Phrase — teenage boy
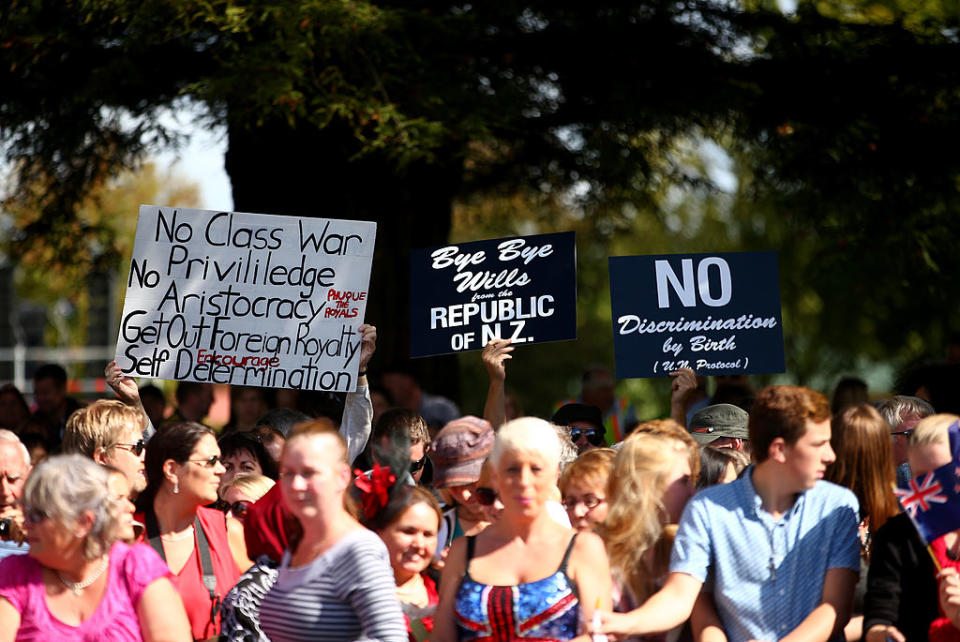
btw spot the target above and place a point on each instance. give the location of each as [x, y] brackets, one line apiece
[777, 549]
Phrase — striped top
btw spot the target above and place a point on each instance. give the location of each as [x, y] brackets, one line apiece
[347, 593]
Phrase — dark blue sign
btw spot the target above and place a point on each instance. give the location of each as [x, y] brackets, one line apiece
[521, 288]
[715, 313]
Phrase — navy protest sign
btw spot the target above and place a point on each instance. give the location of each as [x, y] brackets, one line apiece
[520, 288]
[715, 313]
[246, 299]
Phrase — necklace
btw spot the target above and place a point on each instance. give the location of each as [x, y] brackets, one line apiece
[77, 587]
[176, 538]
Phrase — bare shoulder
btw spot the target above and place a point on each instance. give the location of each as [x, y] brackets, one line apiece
[589, 544]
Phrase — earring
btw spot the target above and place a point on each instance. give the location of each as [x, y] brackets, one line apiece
[176, 487]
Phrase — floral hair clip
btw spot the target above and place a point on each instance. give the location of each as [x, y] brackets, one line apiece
[374, 487]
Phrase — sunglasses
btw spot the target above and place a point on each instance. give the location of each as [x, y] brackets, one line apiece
[209, 462]
[136, 448]
[593, 435]
[906, 433]
[485, 496]
[238, 508]
[416, 466]
[590, 501]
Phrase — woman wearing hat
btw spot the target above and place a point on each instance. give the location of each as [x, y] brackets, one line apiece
[457, 453]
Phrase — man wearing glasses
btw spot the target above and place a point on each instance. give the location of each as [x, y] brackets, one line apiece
[585, 424]
[110, 433]
[903, 412]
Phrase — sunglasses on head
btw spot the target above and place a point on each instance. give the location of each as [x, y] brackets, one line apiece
[485, 496]
[136, 448]
[593, 435]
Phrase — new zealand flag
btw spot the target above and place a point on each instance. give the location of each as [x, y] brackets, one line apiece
[933, 500]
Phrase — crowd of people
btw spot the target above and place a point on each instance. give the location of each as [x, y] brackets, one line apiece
[387, 514]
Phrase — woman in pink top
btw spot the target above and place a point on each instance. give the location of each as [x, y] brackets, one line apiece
[78, 582]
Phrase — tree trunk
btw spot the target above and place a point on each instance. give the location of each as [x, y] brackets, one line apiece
[276, 169]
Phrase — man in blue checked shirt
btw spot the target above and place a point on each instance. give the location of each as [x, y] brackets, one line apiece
[777, 549]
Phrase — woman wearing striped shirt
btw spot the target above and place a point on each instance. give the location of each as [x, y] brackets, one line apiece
[336, 583]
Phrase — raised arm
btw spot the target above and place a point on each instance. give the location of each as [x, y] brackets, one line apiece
[684, 382]
[494, 357]
[357, 407]
[127, 391]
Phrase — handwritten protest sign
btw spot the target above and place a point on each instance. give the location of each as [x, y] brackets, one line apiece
[247, 299]
[715, 313]
[520, 288]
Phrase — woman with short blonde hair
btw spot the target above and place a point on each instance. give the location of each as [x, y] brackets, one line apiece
[525, 567]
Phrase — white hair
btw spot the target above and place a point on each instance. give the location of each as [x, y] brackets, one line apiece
[9, 436]
[527, 434]
[64, 487]
[898, 409]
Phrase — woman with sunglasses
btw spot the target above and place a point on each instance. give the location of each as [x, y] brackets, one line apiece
[110, 433]
[78, 581]
[238, 494]
[526, 575]
[183, 474]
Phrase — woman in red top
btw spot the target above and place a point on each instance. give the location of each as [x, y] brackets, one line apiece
[183, 472]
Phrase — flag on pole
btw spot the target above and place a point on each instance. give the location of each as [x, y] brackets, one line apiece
[933, 500]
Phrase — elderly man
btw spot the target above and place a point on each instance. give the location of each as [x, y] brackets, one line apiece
[903, 413]
[14, 468]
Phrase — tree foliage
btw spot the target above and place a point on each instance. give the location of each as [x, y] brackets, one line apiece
[838, 117]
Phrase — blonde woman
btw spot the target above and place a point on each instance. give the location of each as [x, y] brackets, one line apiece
[651, 481]
[525, 575]
[241, 492]
[110, 433]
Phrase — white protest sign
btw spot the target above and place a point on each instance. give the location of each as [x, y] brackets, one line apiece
[246, 299]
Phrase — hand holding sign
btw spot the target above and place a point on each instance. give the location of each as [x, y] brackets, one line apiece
[246, 299]
[463, 296]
